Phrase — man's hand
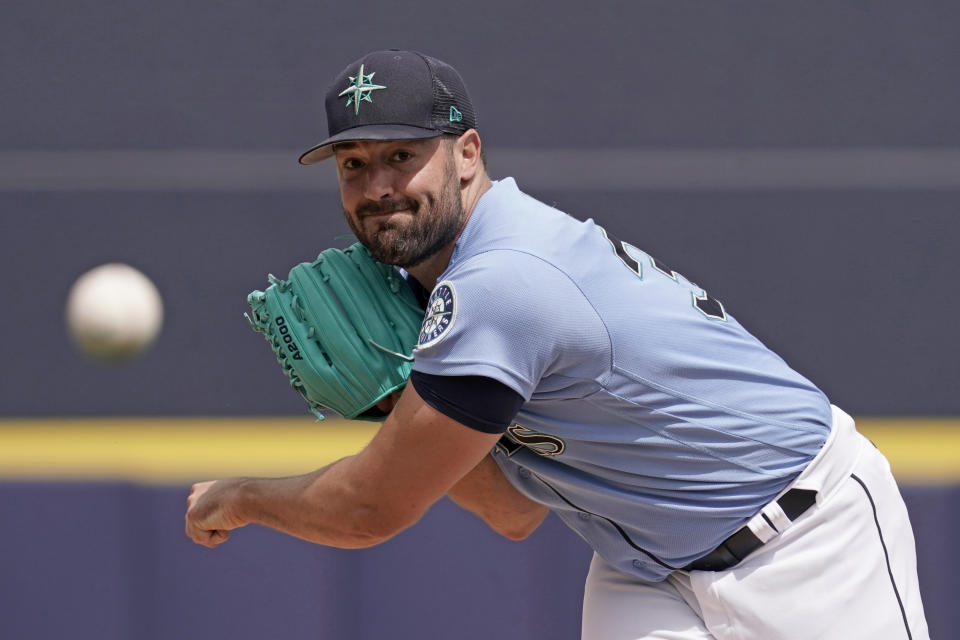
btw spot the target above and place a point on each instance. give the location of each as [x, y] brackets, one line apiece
[212, 512]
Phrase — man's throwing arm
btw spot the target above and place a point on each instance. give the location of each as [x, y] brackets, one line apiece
[417, 456]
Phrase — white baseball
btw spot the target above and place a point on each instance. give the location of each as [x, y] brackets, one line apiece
[114, 312]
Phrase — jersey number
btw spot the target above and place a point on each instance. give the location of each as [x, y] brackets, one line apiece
[632, 257]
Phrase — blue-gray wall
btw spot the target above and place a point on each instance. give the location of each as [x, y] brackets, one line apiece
[147, 133]
[110, 561]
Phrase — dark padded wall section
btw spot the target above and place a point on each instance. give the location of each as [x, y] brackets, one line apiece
[652, 73]
[111, 560]
[854, 289]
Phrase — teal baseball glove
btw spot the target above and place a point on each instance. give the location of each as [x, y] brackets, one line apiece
[343, 328]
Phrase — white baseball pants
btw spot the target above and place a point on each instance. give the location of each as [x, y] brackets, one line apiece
[845, 569]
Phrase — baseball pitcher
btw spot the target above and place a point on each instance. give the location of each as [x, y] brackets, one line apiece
[524, 361]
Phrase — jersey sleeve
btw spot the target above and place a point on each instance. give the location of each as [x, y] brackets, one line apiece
[509, 316]
[483, 404]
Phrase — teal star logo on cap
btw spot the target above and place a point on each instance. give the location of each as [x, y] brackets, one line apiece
[361, 85]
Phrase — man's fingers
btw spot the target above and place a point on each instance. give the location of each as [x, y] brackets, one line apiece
[198, 490]
[204, 513]
[194, 526]
[218, 536]
[206, 537]
[213, 539]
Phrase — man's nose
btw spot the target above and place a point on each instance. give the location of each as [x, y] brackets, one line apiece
[378, 183]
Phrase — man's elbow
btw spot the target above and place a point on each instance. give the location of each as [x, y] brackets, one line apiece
[516, 533]
[518, 529]
[377, 525]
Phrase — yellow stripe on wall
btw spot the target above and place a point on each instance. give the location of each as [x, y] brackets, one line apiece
[174, 450]
[183, 450]
[920, 450]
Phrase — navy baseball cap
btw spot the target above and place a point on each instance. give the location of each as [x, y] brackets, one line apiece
[394, 95]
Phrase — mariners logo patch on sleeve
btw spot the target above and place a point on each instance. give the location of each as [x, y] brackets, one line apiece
[440, 316]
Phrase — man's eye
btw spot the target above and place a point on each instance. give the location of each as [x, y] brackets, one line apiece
[402, 156]
[352, 163]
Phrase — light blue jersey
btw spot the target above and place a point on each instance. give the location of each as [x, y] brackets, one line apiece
[654, 424]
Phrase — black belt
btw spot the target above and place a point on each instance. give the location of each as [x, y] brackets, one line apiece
[744, 542]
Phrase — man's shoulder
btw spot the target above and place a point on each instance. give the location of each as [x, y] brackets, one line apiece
[505, 206]
[508, 234]
[514, 266]
[518, 292]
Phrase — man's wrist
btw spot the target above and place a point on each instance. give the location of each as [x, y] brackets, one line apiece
[245, 496]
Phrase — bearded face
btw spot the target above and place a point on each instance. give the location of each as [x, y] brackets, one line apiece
[404, 231]
[413, 210]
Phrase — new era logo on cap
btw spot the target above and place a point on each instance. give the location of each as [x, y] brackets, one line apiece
[394, 95]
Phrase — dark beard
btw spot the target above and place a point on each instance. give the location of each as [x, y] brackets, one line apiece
[430, 231]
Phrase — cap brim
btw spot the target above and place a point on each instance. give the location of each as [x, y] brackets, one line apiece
[324, 150]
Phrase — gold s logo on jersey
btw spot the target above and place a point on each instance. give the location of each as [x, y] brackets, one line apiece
[542, 444]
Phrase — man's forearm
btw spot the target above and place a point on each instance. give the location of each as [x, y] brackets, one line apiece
[413, 460]
[320, 507]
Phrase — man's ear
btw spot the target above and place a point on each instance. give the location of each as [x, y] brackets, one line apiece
[467, 154]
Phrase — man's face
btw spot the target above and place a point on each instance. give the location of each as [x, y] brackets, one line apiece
[401, 198]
